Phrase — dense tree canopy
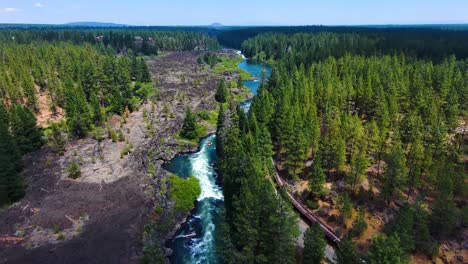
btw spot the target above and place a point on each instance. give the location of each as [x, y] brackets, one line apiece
[261, 227]
[336, 111]
[11, 184]
[79, 79]
[268, 43]
[146, 41]
[314, 244]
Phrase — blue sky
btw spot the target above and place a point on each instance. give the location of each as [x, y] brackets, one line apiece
[238, 12]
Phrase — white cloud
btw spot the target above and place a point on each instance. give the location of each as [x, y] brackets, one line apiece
[9, 10]
[39, 5]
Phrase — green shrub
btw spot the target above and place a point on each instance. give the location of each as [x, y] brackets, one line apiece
[60, 236]
[112, 134]
[332, 218]
[74, 170]
[345, 206]
[184, 192]
[121, 136]
[127, 150]
[205, 115]
[151, 169]
[151, 153]
[359, 225]
[98, 134]
[312, 204]
[209, 116]
[158, 210]
[232, 84]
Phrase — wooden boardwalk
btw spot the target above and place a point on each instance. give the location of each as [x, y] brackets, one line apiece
[304, 212]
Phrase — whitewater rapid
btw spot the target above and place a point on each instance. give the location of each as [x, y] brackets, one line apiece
[194, 243]
[204, 171]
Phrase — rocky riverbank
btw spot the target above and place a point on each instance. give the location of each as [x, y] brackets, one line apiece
[100, 217]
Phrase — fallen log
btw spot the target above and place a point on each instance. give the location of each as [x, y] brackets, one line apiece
[11, 239]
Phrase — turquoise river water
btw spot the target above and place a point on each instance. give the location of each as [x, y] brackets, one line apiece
[199, 247]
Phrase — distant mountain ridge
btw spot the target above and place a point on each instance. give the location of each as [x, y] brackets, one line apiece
[94, 24]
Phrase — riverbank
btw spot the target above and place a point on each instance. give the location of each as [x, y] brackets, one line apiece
[194, 241]
[182, 86]
[100, 217]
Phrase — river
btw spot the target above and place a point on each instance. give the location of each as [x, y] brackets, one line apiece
[200, 247]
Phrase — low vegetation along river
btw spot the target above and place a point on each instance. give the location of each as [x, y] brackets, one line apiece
[194, 241]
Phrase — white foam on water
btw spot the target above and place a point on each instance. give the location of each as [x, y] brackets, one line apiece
[202, 249]
[204, 245]
[240, 53]
[205, 173]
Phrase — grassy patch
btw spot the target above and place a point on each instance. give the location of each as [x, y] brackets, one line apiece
[229, 64]
[184, 192]
[126, 150]
[201, 132]
[240, 98]
[182, 140]
[209, 116]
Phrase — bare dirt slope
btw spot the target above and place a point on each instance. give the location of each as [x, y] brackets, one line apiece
[99, 217]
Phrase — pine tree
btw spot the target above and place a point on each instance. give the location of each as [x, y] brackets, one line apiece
[282, 229]
[372, 135]
[30, 93]
[422, 238]
[444, 210]
[98, 118]
[415, 163]
[314, 244]
[135, 69]
[360, 224]
[27, 135]
[189, 128]
[56, 139]
[296, 144]
[11, 184]
[395, 172]
[145, 74]
[403, 227]
[240, 82]
[359, 164]
[4, 118]
[347, 253]
[220, 129]
[88, 79]
[386, 250]
[345, 206]
[221, 92]
[123, 90]
[77, 111]
[224, 246]
[317, 177]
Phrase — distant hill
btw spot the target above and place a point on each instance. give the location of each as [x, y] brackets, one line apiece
[94, 24]
[216, 25]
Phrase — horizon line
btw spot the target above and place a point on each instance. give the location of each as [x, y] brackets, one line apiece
[234, 25]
